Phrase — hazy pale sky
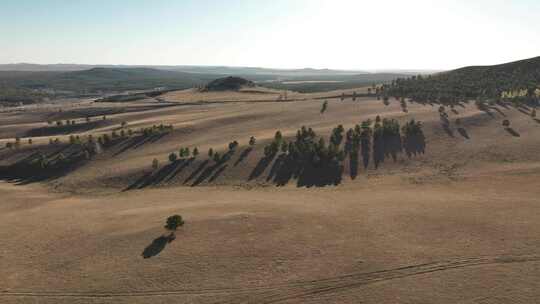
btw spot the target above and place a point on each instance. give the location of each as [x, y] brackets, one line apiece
[338, 34]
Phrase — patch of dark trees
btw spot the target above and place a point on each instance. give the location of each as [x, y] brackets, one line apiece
[65, 128]
[311, 162]
[53, 163]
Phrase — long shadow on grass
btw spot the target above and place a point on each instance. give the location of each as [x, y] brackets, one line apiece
[243, 156]
[199, 169]
[512, 132]
[165, 174]
[260, 167]
[307, 174]
[463, 133]
[138, 141]
[157, 246]
[39, 167]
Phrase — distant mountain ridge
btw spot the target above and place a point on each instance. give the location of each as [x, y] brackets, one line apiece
[30, 67]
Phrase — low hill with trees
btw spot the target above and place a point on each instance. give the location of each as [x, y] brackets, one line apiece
[230, 83]
[520, 79]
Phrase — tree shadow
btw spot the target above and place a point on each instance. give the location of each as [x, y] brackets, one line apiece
[463, 133]
[40, 167]
[206, 173]
[64, 129]
[498, 111]
[353, 164]
[320, 176]
[365, 143]
[138, 141]
[211, 173]
[512, 132]
[243, 156]
[276, 166]
[157, 246]
[138, 184]
[165, 174]
[414, 145]
[524, 111]
[217, 173]
[378, 151]
[288, 168]
[197, 171]
[445, 123]
[386, 146]
[183, 164]
[261, 166]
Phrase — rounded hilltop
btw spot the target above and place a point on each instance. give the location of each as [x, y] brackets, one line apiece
[230, 83]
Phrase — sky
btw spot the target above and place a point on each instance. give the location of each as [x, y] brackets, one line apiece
[336, 34]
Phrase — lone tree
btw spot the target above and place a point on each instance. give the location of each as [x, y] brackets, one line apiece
[506, 123]
[155, 164]
[173, 222]
[252, 141]
[173, 157]
[278, 137]
[195, 152]
[324, 106]
[210, 152]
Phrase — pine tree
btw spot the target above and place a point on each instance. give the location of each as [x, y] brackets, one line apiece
[173, 157]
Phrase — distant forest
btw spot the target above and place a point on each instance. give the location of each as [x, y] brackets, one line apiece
[517, 81]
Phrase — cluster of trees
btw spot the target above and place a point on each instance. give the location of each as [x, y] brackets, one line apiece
[71, 122]
[183, 153]
[60, 123]
[156, 129]
[306, 148]
[16, 144]
[215, 156]
[374, 140]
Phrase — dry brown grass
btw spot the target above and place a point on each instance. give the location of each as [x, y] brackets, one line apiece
[459, 224]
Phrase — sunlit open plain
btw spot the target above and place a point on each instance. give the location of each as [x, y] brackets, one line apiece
[457, 224]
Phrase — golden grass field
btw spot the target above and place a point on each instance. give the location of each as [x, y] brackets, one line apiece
[458, 224]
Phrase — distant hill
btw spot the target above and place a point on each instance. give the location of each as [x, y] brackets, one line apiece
[32, 86]
[473, 81]
[217, 70]
[34, 83]
[228, 84]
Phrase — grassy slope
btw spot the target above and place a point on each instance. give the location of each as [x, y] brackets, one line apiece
[458, 223]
